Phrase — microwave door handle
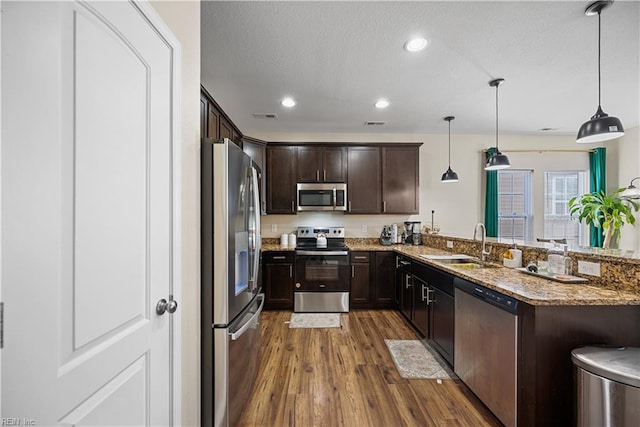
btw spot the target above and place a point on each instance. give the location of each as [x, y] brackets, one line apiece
[334, 198]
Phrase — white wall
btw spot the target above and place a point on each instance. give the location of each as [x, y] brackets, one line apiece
[627, 168]
[458, 206]
[183, 18]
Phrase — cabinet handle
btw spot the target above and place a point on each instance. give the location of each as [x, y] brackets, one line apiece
[322, 286]
[407, 284]
[317, 175]
[349, 205]
[324, 175]
[424, 297]
[291, 271]
[429, 300]
[292, 207]
[384, 206]
[360, 257]
[353, 271]
[279, 257]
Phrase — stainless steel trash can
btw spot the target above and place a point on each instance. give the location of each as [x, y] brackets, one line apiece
[607, 386]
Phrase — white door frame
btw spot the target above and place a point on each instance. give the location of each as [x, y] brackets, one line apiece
[0, 193]
[176, 180]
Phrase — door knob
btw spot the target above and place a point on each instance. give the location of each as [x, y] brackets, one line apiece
[171, 306]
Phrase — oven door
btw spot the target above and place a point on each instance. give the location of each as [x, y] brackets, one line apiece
[322, 271]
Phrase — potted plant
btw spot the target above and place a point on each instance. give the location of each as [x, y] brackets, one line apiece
[608, 212]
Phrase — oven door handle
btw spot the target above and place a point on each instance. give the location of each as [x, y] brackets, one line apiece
[326, 253]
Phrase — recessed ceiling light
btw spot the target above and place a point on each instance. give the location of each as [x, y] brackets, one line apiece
[414, 45]
[288, 102]
[382, 103]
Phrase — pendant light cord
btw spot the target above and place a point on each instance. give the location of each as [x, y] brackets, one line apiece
[449, 144]
[599, 76]
[497, 149]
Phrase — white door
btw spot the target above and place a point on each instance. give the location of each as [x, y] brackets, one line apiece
[89, 207]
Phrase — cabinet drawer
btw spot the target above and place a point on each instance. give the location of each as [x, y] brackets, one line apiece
[321, 287]
[360, 257]
[278, 257]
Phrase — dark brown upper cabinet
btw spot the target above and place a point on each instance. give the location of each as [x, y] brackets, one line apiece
[281, 179]
[400, 180]
[321, 164]
[214, 123]
[257, 150]
[364, 183]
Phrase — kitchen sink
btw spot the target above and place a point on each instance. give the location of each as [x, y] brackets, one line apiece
[459, 261]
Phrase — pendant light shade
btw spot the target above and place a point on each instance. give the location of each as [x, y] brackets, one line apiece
[449, 175]
[631, 192]
[601, 126]
[498, 160]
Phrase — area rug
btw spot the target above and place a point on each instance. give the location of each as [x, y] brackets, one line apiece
[415, 359]
[315, 320]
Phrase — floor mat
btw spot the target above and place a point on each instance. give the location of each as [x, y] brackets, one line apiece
[415, 359]
[315, 320]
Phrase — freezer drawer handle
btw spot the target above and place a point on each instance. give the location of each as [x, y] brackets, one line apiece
[237, 334]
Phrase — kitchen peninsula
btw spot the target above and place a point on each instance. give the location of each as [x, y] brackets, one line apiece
[552, 318]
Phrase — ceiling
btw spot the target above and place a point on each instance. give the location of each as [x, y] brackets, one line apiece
[337, 58]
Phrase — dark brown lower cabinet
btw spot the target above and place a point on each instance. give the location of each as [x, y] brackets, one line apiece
[372, 279]
[385, 279]
[361, 280]
[420, 312]
[278, 270]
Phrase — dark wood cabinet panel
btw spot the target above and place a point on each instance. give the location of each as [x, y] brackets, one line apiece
[334, 164]
[203, 117]
[361, 281]
[385, 271]
[364, 180]
[257, 150]
[309, 162]
[400, 180]
[321, 164]
[281, 179]
[278, 280]
[442, 323]
[420, 318]
[226, 130]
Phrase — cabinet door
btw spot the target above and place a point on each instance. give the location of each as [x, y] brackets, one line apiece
[363, 183]
[226, 130]
[360, 295]
[400, 180]
[213, 118]
[278, 286]
[406, 302]
[420, 306]
[385, 279]
[281, 180]
[442, 323]
[309, 163]
[334, 164]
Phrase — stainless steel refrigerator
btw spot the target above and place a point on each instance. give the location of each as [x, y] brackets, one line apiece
[230, 290]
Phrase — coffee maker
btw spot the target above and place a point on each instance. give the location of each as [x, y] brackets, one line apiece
[413, 233]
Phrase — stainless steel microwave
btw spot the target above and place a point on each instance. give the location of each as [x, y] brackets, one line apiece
[322, 197]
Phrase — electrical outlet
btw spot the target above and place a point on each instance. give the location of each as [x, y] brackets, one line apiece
[449, 244]
[364, 228]
[274, 228]
[589, 268]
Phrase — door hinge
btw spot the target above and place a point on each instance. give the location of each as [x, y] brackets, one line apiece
[1, 325]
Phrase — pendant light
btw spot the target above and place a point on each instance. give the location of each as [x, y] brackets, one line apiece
[601, 127]
[449, 175]
[498, 160]
[631, 192]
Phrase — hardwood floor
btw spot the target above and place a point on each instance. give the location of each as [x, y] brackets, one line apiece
[346, 377]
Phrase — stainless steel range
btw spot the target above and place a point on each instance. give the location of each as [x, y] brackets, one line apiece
[323, 278]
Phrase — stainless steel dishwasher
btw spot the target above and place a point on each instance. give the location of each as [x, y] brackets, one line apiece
[486, 347]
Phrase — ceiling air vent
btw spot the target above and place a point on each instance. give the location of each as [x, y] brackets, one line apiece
[265, 115]
[374, 123]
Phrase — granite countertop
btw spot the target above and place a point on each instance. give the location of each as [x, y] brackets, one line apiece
[526, 288]
[266, 247]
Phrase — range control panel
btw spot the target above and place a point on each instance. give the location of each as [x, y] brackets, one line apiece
[329, 232]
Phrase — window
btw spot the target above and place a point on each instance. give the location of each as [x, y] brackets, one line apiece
[514, 204]
[559, 188]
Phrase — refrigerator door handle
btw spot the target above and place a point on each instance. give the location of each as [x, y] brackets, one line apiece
[256, 247]
[254, 319]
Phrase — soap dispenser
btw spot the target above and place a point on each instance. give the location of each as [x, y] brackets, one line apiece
[555, 257]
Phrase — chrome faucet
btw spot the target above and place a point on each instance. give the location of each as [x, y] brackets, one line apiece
[483, 252]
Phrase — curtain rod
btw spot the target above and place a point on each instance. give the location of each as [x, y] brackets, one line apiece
[545, 151]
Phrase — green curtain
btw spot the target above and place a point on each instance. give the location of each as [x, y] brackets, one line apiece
[491, 199]
[598, 182]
